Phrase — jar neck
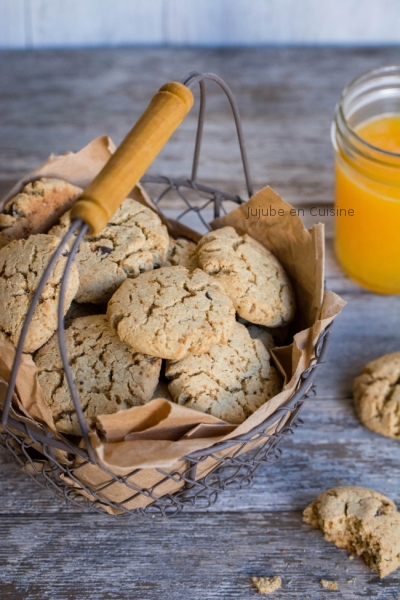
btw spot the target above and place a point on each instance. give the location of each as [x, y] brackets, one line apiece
[370, 96]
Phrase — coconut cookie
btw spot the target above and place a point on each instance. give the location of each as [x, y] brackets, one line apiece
[22, 264]
[170, 312]
[37, 208]
[229, 381]
[251, 276]
[108, 375]
[182, 252]
[377, 395]
[362, 521]
[133, 241]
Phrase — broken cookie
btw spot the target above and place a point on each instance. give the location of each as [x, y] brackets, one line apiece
[362, 521]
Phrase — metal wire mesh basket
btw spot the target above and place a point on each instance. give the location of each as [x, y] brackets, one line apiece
[227, 464]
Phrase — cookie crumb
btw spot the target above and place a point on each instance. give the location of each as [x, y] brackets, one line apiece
[329, 585]
[351, 557]
[283, 551]
[267, 585]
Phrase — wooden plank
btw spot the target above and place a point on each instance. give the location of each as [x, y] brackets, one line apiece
[95, 22]
[203, 557]
[49, 105]
[245, 22]
[55, 23]
[217, 23]
[12, 24]
[367, 328]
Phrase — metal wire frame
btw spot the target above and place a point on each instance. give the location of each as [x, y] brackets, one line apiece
[232, 464]
[234, 470]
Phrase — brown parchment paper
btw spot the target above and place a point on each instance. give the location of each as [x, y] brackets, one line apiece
[145, 443]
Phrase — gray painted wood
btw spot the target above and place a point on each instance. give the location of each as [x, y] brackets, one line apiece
[245, 22]
[95, 22]
[201, 557]
[12, 24]
[57, 23]
[59, 100]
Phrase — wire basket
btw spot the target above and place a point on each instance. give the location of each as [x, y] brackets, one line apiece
[231, 463]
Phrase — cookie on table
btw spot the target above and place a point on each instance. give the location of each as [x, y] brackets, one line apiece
[182, 252]
[22, 264]
[362, 521]
[170, 312]
[108, 375]
[134, 241]
[36, 208]
[229, 381]
[251, 276]
[377, 395]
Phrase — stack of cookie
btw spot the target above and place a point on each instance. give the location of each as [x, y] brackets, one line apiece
[136, 297]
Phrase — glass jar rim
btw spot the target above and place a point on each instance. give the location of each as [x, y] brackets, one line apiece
[373, 73]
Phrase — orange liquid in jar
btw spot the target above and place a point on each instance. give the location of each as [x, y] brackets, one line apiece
[368, 243]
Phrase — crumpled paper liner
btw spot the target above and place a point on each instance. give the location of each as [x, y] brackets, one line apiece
[145, 443]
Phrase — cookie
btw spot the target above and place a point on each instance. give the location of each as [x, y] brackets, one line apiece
[362, 521]
[229, 381]
[22, 263]
[377, 395]
[182, 252]
[251, 276]
[170, 312]
[261, 333]
[108, 375]
[270, 336]
[133, 241]
[37, 208]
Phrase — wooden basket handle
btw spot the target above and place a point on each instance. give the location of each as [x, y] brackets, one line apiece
[103, 196]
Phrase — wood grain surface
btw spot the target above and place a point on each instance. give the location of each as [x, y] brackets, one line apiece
[53, 101]
[57, 23]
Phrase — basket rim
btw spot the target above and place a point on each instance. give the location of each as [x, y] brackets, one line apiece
[304, 383]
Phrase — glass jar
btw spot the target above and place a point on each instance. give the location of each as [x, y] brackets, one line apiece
[367, 182]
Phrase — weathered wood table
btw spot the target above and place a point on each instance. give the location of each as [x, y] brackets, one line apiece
[53, 101]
